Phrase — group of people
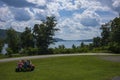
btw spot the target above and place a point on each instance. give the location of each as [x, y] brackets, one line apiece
[24, 65]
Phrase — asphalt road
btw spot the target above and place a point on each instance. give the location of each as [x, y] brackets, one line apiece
[55, 55]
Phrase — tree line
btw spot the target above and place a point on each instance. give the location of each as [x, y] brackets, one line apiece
[110, 36]
[109, 41]
[37, 40]
[32, 41]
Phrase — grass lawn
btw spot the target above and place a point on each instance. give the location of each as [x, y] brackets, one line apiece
[64, 68]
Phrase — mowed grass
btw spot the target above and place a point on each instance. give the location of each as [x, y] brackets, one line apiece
[63, 68]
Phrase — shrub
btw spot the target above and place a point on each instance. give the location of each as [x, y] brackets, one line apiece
[29, 51]
[9, 52]
[114, 47]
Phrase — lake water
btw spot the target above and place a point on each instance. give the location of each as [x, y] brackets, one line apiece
[67, 44]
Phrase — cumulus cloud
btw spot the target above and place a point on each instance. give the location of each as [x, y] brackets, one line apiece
[18, 3]
[21, 4]
[5, 14]
[73, 27]
[20, 14]
[88, 18]
[116, 5]
[38, 2]
[77, 19]
[112, 4]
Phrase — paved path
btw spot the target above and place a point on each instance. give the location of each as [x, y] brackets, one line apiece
[47, 56]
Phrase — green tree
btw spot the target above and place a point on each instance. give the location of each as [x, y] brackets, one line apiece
[82, 45]
[73, 46]
[114, 45]
[44, 32]
[12, 40]
[97, 42]
[27, 39]
[115, 30]
[105, 34]
[9, 52]
[1, 44]
[61, 47]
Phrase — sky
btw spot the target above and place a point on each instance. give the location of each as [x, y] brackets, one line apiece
[76, 19]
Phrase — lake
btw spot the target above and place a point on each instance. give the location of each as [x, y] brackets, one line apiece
[68, 44]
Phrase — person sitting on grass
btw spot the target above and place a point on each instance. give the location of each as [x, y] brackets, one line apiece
[28, 62]
[19, 65]
[30, 66]
[24, 65]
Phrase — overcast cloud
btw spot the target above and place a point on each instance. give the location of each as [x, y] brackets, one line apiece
[77, 19]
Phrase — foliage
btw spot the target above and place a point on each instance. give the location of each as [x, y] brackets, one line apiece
[115, 30]
[1, 44]
[97, 42]
[105, 34]
[62, 50]
[109, 36]
[30, 51]
[114, 47]
[3, 34]
[27, 39]
[9, 52]
[37, 40]
[13, 40]
[73, 46]
[44, 32]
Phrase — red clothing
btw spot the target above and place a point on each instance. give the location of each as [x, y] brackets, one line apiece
[20, 64]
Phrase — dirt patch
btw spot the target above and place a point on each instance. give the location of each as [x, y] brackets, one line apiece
[111, 58]
[116, 78]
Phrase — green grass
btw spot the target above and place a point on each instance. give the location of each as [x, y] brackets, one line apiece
[13, 56]
[63, 68]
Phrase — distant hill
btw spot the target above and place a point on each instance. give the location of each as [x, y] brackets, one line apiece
[3, 33]
[58, 39]
[86, 40]
[3, 36]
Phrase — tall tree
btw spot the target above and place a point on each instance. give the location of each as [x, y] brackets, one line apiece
[97, 42]
[27, 39]
[1, 44]
[114, 45]
[115, 30]
[12, 40]
[105, 34]
[44, 32]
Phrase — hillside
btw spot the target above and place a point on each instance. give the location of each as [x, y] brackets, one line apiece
[2, 34]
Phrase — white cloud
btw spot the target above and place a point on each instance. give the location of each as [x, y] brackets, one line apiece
[88, 18]
[72, 28]
[5, 14]
[20, 14]
[116, 3]
[83, 22]
[111, 4]
[53, 9]
[38, 2]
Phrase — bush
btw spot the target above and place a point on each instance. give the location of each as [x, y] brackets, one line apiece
[114, 47]
[9, 52]
[61, 51]
[29, 51]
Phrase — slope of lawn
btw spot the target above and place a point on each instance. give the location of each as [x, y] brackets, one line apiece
[63, 68]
